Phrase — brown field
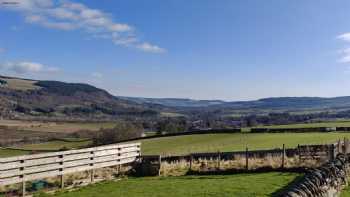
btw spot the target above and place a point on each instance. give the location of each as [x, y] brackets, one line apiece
[20, 84]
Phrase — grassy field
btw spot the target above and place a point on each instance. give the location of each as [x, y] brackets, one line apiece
[179, 145]
[11, 153]
[234, 142]
[55, 145]
[310, 125]
[64, 127]
[20, 84]
[345, 192]
[265, 184]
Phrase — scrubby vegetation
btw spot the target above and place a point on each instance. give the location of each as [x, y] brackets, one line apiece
[122, 131]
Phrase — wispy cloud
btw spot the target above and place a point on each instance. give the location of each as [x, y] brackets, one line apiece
[2, 50]
[150, 48]
[97, 75]
[68, 16]
[27, 67]
[345, 37]
[345, 53]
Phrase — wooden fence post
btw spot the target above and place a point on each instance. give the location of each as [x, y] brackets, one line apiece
[331, 152]
[299, 154]
[339, 147]
[61, 170]
[23, 187]
[62, 181]
[191, 158]
[23, 179]
[346, 145]
[92, 171]
[219, 159]
[160, 164]
[283, 155]
[92, 175]
[246, 159]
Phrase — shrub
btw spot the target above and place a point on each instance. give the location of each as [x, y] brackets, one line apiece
[122, 131]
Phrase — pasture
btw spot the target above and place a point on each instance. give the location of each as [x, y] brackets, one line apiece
[10, 153]
[311, 125]
[345, 192]
[180, 145]
[265, 184]
[57, 127]
[54, 145]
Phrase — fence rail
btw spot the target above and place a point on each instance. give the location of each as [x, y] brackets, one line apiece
[31, 167]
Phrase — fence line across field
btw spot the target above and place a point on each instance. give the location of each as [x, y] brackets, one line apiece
[31, 167]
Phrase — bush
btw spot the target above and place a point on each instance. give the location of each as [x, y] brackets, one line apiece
[122, 131]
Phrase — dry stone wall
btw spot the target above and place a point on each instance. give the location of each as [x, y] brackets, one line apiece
[325, 181]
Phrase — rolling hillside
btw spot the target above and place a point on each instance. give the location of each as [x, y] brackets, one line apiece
[24, 97]
[265, 103]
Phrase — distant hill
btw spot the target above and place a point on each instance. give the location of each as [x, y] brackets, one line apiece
[283, 103]
[61, 100]
[25, 97]
[175, 102]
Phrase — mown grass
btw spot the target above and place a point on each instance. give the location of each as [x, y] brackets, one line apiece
[262, 184]
[234, 142]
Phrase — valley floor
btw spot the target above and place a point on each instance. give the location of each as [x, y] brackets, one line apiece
[180, 145]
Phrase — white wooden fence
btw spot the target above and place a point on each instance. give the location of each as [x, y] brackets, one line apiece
[32, 167]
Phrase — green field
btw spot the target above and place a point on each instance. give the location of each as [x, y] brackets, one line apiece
[345, 192]
[310, 125]
[55, 145]
[234, 142]
[10, 153]
[263, 184]
[179, 145]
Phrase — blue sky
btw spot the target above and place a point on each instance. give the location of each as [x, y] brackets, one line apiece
[201, 49]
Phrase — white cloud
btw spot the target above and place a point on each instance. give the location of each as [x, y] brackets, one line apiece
[97, 75]
[27, 67]
[345, 55]
[150, 48]
[67, 15]
[345, 37]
